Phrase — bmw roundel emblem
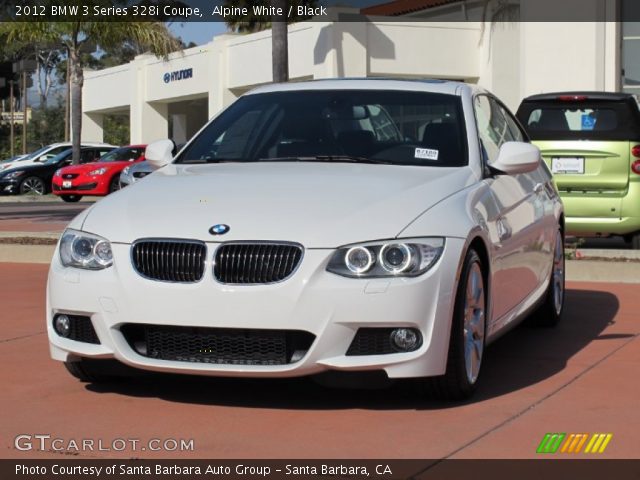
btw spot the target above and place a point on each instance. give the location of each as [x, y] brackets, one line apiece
[219, 229]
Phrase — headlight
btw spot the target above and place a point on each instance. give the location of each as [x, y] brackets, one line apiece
[99, 171]
[126, 170]
[12, 175]
[393, 258]
[85, 250]
[57, 174]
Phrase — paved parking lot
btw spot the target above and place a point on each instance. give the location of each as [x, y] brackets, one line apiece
[578, 378]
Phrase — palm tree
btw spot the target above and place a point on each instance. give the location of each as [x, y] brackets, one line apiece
[76, 36]
[279, 43]
[278, 23]
[498, 11]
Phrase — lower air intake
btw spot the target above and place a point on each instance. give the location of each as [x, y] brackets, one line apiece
[221, 346]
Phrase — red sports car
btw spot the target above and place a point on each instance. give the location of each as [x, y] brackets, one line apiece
[97, 178]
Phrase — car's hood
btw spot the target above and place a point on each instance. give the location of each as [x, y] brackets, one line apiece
[23, 166]
[318, 205]
[84, 168]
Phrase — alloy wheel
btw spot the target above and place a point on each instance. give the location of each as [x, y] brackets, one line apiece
[33, 186]
[558, 274]
[474, 323]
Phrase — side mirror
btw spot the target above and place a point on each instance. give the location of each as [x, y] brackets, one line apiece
[159, 153]
[516, 157]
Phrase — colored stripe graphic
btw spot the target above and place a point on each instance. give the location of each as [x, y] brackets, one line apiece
[598, 443]
[551, 442]
[573, 443]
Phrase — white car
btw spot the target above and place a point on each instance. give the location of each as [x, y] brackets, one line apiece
[296, 234]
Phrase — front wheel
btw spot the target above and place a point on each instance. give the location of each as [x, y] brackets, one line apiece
[549, 313]
[71, 198]
[33, 186]
[90, 371]
[114, 185]
[467, 342]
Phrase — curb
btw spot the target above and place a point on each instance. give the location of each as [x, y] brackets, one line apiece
[49, 198]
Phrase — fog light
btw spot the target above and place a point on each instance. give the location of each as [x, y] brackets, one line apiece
[62, 325]
[405, 339]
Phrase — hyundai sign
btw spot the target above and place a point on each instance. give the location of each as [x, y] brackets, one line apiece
[178, 75]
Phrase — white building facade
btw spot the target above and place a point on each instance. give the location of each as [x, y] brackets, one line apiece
[175, 98]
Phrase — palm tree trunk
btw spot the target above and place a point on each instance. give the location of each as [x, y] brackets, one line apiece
[77, 80]
[279, 43]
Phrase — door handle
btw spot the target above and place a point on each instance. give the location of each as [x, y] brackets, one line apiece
[538, 188]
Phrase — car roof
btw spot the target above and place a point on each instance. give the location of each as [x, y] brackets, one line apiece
[420, 85]
[606, 96]
[83, 144]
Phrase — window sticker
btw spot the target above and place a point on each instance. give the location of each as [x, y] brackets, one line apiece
[426, 154]
[588, 121]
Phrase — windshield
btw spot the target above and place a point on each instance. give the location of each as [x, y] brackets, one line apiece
[124, 154]
[34, 154]
[396, 127]
[58, 158]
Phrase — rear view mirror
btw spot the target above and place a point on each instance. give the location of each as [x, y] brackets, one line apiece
[346, 112]
[516, 157]
[159, 153]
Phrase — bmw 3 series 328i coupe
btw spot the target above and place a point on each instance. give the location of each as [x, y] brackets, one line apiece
[341, 225]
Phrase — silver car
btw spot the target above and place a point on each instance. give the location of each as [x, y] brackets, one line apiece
[133, 173]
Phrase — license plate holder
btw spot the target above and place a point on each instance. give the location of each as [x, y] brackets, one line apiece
[66, 184]
[567, 165]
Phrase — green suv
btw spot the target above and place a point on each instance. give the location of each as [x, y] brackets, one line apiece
[591, 143]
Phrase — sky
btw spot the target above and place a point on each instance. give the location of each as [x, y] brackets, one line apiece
[197, 32]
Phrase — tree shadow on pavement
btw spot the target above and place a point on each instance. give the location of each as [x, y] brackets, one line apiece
[522, 358]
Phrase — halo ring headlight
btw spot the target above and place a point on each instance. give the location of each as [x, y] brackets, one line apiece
[395, 257]
[358, 260]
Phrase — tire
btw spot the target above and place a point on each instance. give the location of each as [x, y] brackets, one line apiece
[114, 184]
[71, 198]
[635, 241]
[467, 342]
[89, 371]
[33, 186]
[549, 313]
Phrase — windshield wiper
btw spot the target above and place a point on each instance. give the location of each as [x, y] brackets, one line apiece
[328, 158]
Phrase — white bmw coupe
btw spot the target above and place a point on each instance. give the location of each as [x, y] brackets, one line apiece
[390, 226]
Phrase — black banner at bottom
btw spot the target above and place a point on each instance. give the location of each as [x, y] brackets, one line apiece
[542, 469]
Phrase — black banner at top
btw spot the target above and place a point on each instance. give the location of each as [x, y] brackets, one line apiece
[489, 11]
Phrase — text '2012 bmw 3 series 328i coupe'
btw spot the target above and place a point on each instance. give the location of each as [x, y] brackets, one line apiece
[342, 225]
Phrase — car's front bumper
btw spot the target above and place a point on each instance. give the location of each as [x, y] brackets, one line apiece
[329, 306]
[83, 185]
[9, 187]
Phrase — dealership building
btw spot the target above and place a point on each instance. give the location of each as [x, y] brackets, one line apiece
[400, 39]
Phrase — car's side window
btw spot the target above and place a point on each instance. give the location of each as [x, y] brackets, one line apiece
[87, 156]
[512, 124]
[493, 126]
[489, 135]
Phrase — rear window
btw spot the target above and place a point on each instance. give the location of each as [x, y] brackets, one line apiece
[558, 120]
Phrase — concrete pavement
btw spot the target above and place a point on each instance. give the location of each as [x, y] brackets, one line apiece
[579, 377]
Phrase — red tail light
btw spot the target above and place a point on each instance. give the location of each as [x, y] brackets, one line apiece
[635, 151]
[572, 98]
[635, 167]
